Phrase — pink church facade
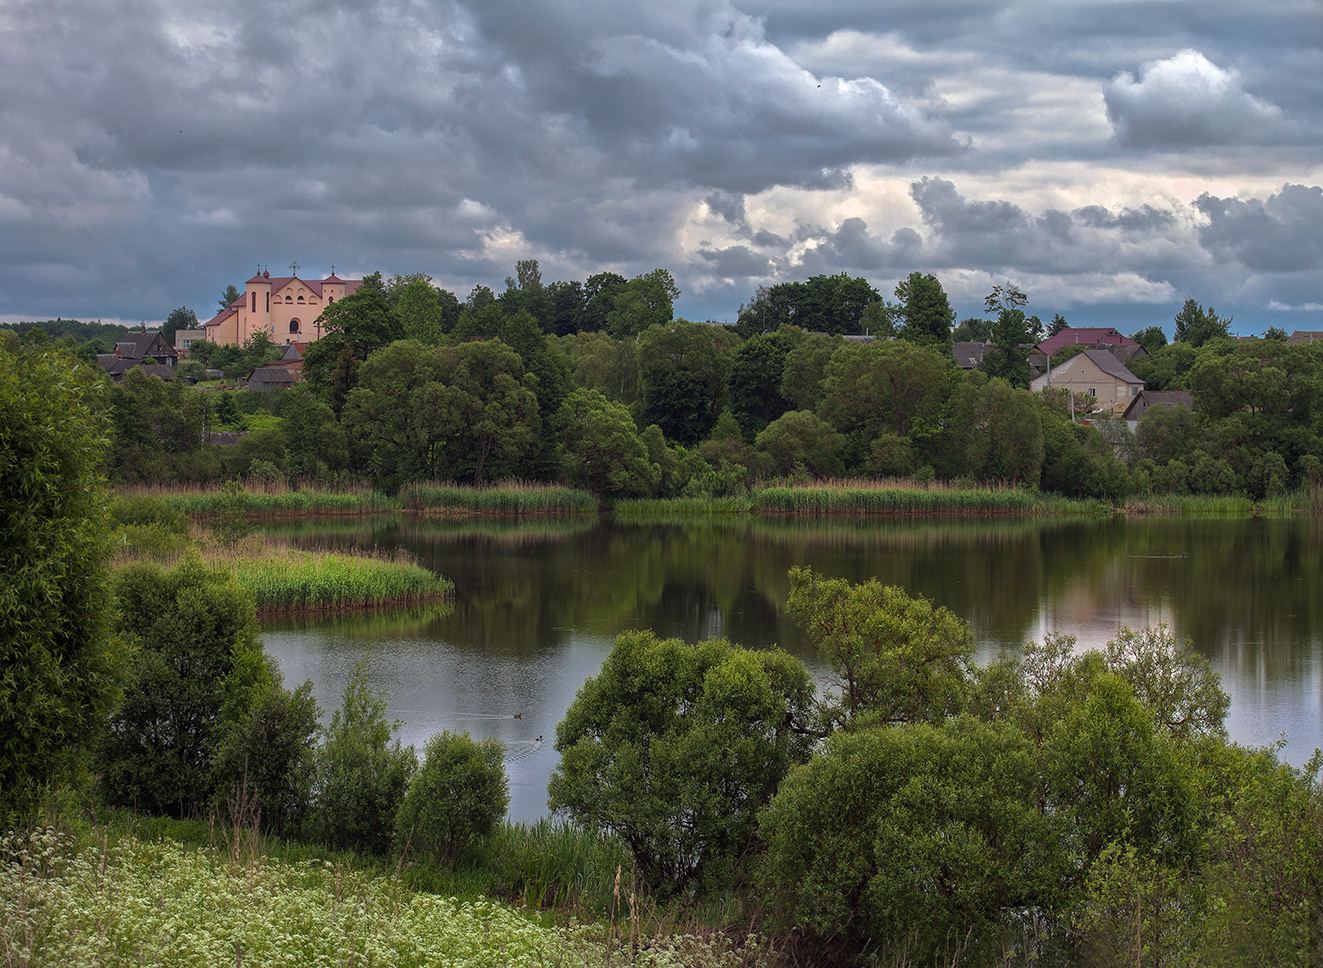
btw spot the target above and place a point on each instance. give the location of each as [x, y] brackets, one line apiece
[286, 308]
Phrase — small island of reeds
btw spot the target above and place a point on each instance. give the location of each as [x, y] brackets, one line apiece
[280, 577]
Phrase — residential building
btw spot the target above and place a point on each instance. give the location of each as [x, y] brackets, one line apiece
[1155, 398]
[149, 350]
[1097, 373]
[284, 307]
[1095, 337]
[184, 338]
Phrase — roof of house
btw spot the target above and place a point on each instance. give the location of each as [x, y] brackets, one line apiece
[1084, 336]
[267, 377]
[1110, 365]
[1157, 398]
[968, 354]
[1304, 336]
[136, 346]
[223, 315]
[116, 366]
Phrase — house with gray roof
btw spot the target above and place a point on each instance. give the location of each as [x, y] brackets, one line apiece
[1097, 373]
[150, 350]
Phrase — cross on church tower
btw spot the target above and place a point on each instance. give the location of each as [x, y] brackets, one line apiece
[294, 268]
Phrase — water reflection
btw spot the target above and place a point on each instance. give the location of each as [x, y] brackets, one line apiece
[537, 605]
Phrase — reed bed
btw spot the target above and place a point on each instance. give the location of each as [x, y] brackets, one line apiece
[857, 497]
[647, 509]
[296, 581]
[1234, 505]
[505, 498]
[257, 499]
[880, 497]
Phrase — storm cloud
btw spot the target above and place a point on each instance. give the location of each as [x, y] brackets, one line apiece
[154, 152]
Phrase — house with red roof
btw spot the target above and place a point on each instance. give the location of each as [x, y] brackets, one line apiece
[1094, 337]
[284, 307]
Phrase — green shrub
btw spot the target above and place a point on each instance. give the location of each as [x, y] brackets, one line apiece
[900, 836]
[360, 775]
[265, 759]
[456, 798]
[199, 645]
[675, 747]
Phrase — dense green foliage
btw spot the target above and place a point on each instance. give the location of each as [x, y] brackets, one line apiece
[198, 650]
[676, 747]
[1052, 806]
[456, 798]
[61, 664]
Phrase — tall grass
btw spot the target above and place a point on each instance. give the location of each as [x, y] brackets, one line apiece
[309, 580]
[268, 498]
[889, 497]
[284, 579]
[505, 498]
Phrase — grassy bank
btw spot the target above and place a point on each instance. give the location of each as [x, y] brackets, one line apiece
[1222, 504]
[103, 900]
[505, 498]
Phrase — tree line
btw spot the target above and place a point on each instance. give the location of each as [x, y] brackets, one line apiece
[597, 385]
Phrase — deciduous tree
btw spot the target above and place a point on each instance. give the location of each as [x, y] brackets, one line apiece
[896, 658]
[676, 747]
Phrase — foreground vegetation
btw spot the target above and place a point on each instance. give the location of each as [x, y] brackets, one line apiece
[94, 902]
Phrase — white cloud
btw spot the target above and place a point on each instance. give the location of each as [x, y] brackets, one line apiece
[1187, 101]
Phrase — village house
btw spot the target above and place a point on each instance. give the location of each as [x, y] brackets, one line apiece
[1097, 373]
[284, 307]
[149, 350]
[281, 374]
[1155, 398]
[1094, 337]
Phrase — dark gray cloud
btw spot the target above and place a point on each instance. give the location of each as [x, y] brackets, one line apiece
[737, 261]
[1186, 101]
[1282, 234]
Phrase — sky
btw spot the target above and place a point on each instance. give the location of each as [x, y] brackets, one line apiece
[1111, 159]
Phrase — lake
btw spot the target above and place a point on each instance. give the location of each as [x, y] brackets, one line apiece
[538, 604]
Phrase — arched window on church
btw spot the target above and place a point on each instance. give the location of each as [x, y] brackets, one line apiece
[288, 298]
[293, 325]
[254, 309]
[300, 297]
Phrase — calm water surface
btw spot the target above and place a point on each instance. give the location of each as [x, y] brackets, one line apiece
[538, 604]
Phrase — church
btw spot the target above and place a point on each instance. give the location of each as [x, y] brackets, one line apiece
[284, 307]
